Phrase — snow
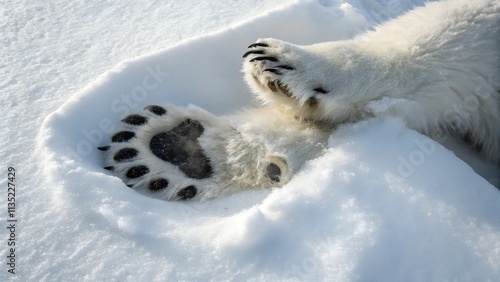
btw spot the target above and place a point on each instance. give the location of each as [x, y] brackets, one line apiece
[384, 203]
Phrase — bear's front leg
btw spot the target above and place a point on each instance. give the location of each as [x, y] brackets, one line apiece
[330, 81]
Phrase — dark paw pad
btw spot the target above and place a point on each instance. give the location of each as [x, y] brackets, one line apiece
[189, 128]
[122, 136]
[180, 147]
[273, 171]
[125, 154]
[157, 110]
[187, 192]
[135, 120]
[137, 171]
[158, 184]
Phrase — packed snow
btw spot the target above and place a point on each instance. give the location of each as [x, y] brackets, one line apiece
[384, 203]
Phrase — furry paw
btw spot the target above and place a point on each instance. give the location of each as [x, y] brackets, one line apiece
[316, 82]
[278, 70]
[179, 154]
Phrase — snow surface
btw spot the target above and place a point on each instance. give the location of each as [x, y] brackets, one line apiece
[383, 204]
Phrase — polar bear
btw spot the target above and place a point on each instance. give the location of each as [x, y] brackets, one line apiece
[437, 68]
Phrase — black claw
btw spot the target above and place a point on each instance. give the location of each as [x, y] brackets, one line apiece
[267, 58]
[286, 67]
[320, 90]
[158, 184]
[187, 192]
[109, 167]
[137, 171]
[125, 154]
[103, 148]
[274, 71]
[258, 45]
[157, 110]
[135, 120]
[130, 185]
[122, 136]
[258, 52]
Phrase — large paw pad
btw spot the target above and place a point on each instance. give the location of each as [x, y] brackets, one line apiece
[140, 153]
[180, 147]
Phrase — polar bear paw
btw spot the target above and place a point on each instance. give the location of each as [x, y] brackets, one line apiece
[165, 159]
[278, 72]
[172, 153]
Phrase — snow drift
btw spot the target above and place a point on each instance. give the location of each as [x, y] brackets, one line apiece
[383, 203]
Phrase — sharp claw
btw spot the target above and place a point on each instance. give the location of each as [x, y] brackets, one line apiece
[286, 67]
[259, 52]
[258, 45]
[103, 148]
[273, 71]
[320, 90]
[268, 58]
[109, 167]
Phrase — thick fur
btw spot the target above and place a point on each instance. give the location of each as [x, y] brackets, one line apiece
[240, 149]
[437, 68]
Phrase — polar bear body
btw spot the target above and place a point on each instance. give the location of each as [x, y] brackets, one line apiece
[437, 68]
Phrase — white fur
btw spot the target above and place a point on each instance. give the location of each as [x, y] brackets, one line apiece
[437, 68]
[239, 148]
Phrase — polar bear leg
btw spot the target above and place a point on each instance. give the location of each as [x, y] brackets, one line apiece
[436, 68]
[173, 153]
